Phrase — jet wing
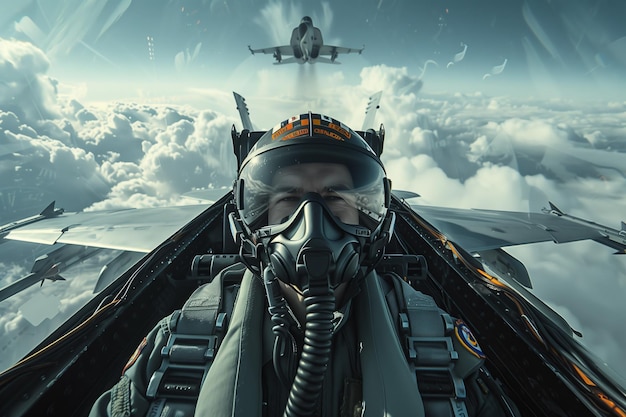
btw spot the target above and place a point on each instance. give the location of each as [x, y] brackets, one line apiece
[275, 50]
[284, 50]
[331, 50]
[481, 230]
[137, 230]
[278, 52]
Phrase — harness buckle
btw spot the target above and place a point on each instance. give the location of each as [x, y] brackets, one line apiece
[431, 351]
[183, 368]
[433, 359]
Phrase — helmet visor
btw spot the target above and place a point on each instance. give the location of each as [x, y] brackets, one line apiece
[273, 184]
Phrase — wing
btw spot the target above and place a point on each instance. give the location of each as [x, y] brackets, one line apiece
[137, 230]
[283, 50]
[278, 52]
[481, 230]
[331, 50]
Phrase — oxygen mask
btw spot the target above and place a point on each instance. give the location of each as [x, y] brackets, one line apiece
[313, 250]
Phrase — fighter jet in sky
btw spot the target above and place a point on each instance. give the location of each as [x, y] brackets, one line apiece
[306, 45]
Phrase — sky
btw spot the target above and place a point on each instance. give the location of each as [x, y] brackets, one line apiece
[486, 104]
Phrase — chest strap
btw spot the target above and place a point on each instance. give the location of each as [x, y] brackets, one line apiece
[195, 333]
[430, 348]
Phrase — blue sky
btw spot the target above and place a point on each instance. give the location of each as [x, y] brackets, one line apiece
[562, 47]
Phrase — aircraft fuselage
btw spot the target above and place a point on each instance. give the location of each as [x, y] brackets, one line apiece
[306, 41]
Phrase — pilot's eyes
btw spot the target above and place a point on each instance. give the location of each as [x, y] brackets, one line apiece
[340, 200]
[286, 194]
[288, 198]
[330, 194]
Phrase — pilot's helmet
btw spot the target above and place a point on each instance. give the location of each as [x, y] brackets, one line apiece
[346, 172]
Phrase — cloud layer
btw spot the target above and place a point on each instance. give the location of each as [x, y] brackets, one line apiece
[460, 150]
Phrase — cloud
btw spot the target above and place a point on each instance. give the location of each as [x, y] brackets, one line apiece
[525, 132]
[24, 88]
[43, 168]
[179, 152]
[394, 81]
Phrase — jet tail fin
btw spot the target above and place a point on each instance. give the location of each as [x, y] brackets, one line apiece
[370, 111]
[244, 114]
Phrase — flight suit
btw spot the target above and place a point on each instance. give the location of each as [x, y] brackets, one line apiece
[368, 373]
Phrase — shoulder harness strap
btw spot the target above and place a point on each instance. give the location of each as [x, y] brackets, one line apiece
[195, 333]
[432, 352]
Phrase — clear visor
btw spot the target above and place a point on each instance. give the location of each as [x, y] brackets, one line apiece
[273, 186]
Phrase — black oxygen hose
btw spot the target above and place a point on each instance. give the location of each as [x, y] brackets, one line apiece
[285, 348]
[318, 333]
